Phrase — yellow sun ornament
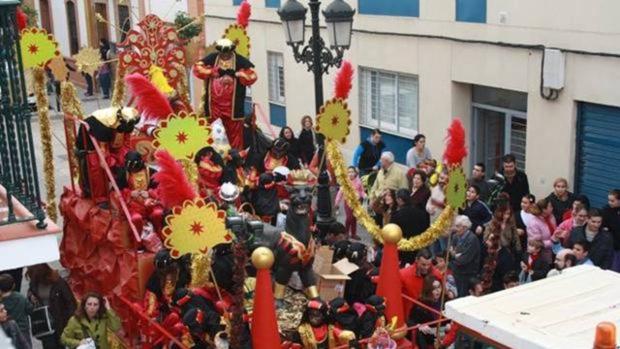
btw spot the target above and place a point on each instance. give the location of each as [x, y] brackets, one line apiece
[182, 135]
[457, 187]
[195, 228]
[38, 47]
[88, 60]
[239, 36]
[334, 120]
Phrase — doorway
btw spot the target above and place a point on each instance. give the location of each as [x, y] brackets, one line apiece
[102, 27]
[46, 18]
[498, 131]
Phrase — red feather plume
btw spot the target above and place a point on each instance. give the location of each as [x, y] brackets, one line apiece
[344, 81]
[456, 150]
[173, 186]
[244, 13]
[22, 19]
[150, 102]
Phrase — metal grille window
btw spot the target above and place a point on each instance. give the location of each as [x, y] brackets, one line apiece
[275, 62]
[389, 101]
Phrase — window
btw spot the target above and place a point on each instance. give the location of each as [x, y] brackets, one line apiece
[74, 41]
[407, 8]
[389, 101]
[272, 3]
[474, 11]
[277, 98]
[124, 21]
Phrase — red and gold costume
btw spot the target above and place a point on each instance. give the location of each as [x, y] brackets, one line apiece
[226, 76]
[110, 128]
[209, 175]
[142, 201]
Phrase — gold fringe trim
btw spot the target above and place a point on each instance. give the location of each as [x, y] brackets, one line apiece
[118, 94]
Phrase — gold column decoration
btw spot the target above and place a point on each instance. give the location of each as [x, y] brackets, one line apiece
[442, 224]
[183, 89]
[46, 140]
[118, 94]
[70, 105]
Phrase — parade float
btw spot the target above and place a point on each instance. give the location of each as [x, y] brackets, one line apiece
[169, 208]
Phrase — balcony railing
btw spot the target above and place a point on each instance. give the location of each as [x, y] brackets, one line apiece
[18, 171]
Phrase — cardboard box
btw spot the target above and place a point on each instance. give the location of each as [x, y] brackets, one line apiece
[331, 277]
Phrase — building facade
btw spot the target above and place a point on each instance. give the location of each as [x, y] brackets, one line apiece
[420, 63]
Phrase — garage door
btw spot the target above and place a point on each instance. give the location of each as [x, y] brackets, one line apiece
[598, 151]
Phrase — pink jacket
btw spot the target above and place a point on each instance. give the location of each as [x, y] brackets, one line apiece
[537, 229]
[357, 185]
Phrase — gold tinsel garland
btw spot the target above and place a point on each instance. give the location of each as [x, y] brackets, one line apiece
[118, 94]
[46, 140]
[70, 105]
[201, 266]
[443, 222]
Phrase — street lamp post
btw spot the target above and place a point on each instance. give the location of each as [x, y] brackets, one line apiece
[319, 58]
[316, 54]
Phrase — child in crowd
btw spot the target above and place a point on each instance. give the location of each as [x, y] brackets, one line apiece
[12, 331]
[350, 220]
[534, 267]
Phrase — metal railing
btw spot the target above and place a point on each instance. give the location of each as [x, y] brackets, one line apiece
[18, 171]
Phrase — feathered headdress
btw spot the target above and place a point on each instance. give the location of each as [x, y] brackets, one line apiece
[244, 13]
[173, 186]
[456, 150]
[152, 104]
[344, 81]
[158, 79]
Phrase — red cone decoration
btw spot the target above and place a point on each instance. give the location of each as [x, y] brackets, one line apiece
[389, 286]
[264, 324]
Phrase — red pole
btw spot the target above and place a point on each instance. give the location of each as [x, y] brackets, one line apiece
[264, 324]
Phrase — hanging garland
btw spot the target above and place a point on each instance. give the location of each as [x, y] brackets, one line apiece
[437, 229]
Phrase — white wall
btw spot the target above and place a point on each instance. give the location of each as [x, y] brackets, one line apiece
[447, 69]
[166, 9]
[61, 29]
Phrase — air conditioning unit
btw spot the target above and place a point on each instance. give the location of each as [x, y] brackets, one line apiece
[554, 68]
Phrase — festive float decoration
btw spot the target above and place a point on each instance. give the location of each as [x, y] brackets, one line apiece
[88, 60]
[334, 117]
[182, 135]
[38, 49]
[237, 32]
[58, 68]
[194, 226]
[455, 151]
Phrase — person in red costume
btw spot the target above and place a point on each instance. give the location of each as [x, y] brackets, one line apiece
[141, 199]
[413, 276]
[210, 169]
[226, 76]
[111, 129]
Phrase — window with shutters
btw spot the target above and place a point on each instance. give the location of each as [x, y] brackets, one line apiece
[389, 101]
[276, 77]
[277, 96]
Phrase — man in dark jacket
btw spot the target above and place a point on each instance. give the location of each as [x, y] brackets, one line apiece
[478, 179]
[601, 243]
[465, 252]
[611, 223]
[516, 185]
[411, 220]
[367, 154]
